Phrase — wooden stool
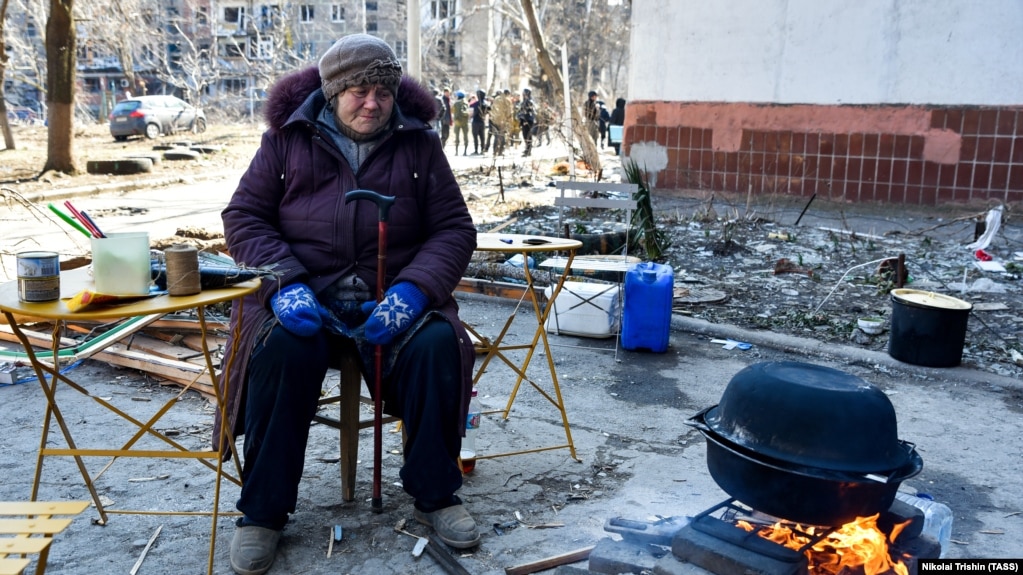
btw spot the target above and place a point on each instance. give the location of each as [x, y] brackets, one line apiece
[348, 423]
[33, 518]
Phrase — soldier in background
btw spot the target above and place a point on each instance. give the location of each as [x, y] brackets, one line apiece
[460, 118]
[527, 120]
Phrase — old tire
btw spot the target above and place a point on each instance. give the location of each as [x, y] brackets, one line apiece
[123, 167]
[181, 154]
[205, 149]
[154, 158]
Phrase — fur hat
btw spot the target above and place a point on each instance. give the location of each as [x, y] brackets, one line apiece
[357, 60]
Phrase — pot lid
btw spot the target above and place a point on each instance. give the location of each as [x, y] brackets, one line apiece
[809, 415]
[930, 299]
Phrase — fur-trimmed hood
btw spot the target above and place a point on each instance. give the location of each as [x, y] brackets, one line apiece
[291, 92]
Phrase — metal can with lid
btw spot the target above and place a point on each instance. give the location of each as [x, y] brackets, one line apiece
[38, 276]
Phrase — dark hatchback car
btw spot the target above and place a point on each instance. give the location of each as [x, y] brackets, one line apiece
[151, 116]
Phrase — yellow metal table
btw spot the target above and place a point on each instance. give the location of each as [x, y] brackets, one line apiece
[525, 245]
[47, 371]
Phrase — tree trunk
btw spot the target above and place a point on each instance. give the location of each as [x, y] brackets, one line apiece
[5, 125]
[60, 92]
[590, 155]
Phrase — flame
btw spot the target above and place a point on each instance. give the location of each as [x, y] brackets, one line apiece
[859, 546]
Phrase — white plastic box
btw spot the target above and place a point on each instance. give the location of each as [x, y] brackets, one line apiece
[585, 309]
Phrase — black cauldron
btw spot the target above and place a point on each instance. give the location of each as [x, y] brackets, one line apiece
[806, 443]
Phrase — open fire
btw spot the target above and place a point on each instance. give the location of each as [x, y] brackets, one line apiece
[856, 547]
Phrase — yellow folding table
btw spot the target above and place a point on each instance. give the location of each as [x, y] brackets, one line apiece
[47, 367]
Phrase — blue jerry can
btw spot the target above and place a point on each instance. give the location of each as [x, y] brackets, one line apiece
[646, 320]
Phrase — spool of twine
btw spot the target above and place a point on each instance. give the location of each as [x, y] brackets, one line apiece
[182, 270]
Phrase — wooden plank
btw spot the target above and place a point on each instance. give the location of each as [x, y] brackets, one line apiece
[22, 545]
[597, 186]
[595, 203]
[32, 526]
[550, 562]
[43, 507]
[13, 566]
[497, 289]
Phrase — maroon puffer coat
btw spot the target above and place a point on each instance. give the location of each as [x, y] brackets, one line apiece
[289, 210]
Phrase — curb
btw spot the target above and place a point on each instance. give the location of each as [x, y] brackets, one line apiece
[126, 186]
[795, 344]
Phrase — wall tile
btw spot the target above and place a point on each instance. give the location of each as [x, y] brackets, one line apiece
[798, 143]
[928, 196]
[841, 144]
[732, 162]
[971, 122]
[938, 118]
[871, 143]
[868, 173]
[988, 122]
[999, 176]
[900, 169]
[671, 140]
[954, 120]
[1007, 122]
[685, 135]
[852, 169]
[856, 145]
[1017, 148]
[884, 169]
[886, 146]
[963, 195]
[916, 147]
[981, 176]
[1003, 149]
[947, 175]
[931, 174]
[812, 144]
[968, 149]
[901, 146]
[912, 196]
[915, 173]
[985, 149]
[882, 192]
[964, 175]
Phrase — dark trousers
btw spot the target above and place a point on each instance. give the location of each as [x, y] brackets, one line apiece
[284, 381]
[527, 137]
[478, 137]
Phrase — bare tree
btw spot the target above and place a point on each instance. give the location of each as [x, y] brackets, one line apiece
[553, 72]
[4, 124]
[60, 80]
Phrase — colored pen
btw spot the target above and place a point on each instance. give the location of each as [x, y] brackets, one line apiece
[67, 219]
[89, 225]
[506, 240]
[92, 225]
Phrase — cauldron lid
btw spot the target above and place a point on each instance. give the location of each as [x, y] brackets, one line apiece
[809, 415]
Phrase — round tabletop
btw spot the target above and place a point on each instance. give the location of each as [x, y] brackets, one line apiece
[524, 243]
[74, 281]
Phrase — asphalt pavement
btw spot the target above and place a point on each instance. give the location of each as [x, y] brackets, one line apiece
[626, 410]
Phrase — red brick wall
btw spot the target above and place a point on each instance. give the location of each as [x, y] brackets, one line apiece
[894, 154]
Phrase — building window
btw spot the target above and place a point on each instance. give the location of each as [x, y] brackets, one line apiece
[235, 15]
[261, 49]
[337, 13]
[202, 16]
[400, 49]
[371, 23]
[441, 9]
[371, 6]
[231, 50]
[306, 13]
[234, 85]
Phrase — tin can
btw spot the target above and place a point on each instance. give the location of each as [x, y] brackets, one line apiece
[38, 276]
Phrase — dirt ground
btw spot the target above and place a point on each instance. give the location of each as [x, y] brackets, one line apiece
[636, 458]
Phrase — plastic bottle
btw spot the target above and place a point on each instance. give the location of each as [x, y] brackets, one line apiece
[467, 456]
[937, 517]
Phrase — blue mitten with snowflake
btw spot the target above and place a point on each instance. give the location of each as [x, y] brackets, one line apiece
[296, 308]
[401, 307]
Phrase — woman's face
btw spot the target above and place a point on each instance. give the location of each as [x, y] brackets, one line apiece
[364, 109]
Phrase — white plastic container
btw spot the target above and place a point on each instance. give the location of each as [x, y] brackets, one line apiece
[585, 309]
[937, 518]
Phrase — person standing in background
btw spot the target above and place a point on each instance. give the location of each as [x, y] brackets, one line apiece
[445, 117]
[480, 111]
[591, 112]
[527, 120]
[460, 118]
[617, 119]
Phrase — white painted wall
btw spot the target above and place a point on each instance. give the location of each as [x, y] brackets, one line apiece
[828, 51]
